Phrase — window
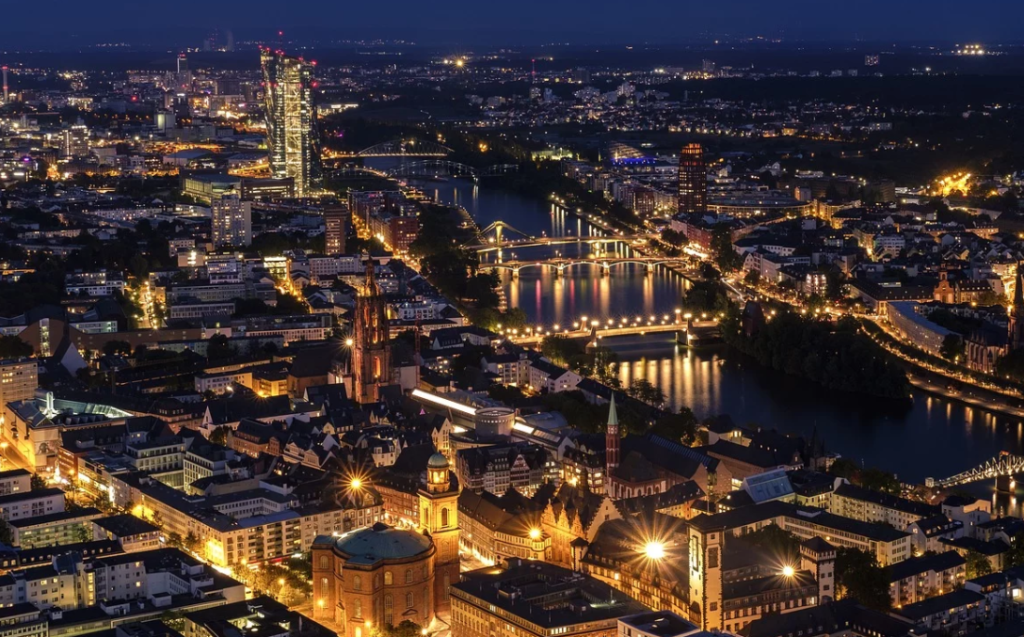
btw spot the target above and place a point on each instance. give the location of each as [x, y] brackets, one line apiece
[325, 586]
[357, 609]
[444, 517]
[389, 609]
[409, 601]
[325, 562]
[408, 576]
[388, 578]
[357, 583]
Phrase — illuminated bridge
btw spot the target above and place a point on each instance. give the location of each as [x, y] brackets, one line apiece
[640, 326]
[1005, 465]
[406, 148]
[439, 167]
[560, 265]
[494, 238]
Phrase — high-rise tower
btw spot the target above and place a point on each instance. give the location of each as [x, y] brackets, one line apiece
[371, 352]
[292, 131]
[693, 180]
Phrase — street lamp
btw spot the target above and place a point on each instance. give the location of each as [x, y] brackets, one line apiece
[535, 534]
[654, 550]
[788, 571]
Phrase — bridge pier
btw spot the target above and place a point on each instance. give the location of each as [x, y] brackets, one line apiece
[1005, 484]
[649, 269]
[605, 269]
[560, 271]
[515, 273]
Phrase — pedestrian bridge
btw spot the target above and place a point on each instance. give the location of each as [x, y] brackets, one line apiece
[1004, 465]
[560, 265]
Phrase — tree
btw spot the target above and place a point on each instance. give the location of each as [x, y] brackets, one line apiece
[726, 257]
[1015, 556]
[644, 391]
[977, 564]
[952, 348]
[13, 347]
[81, 534]
[1012, 365]
[219, 436]
[752, 277]
[859, 576]
[218, 348]
[174, 540]
[674, 237]
[879, 480]
[6, 533]
[190, 543]
[680, 427]
[37, 482]
[173, 619]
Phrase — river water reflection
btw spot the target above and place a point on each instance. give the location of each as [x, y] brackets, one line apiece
[929, 437]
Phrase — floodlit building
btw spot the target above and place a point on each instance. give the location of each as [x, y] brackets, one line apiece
[292, 134]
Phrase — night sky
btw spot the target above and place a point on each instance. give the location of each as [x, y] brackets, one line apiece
[516, 21]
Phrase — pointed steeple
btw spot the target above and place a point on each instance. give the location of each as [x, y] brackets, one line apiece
[613, 443]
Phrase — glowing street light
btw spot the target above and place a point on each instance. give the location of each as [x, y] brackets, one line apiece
[788, 571]
[654, 550]
[356, 483]
[534, 534]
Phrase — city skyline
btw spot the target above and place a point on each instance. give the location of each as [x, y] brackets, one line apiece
[531, 22]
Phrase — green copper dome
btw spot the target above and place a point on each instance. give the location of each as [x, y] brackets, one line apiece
[382, 542]
[437, 461]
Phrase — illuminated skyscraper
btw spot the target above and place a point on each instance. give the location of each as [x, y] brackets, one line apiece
[292, 134]
[693, 180]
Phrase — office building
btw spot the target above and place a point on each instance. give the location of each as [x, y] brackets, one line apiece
[74, 142]
[18, 379]
[292, 135]
[693, 180]
[336, 225]
[232, 221]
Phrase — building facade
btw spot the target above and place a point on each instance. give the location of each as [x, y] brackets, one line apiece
[292, 131]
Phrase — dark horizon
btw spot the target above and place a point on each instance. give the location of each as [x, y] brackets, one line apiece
[525, 23]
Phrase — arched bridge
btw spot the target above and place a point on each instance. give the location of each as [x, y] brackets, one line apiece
[561, 265]
[1002, 466]
[438, 167]
[406, 148]
[500, 235]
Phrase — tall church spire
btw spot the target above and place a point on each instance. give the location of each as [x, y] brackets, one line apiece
[612, 440]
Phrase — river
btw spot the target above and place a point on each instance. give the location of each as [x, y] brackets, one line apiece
[929, 437]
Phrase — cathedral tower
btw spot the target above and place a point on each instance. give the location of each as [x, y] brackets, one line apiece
[371, 354]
